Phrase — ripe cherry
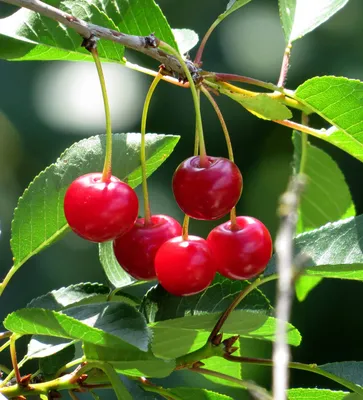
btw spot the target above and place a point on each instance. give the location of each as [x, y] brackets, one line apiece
[136, 250]
[99, 211]
[207, 192]
[241, 252]
[185, 267]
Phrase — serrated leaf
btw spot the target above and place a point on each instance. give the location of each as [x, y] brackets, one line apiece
[187, 393]
[51, 364]
[26, 35]
[315, 394]
[76, 295]
[186, 39]
[115, 325]
[326, 198]
[339, 101]
[299, 17]
[39, 218]
[137, 363]
[115, 273]
[159, 305]
[175, 337]
[261, 105]
[332, 251]
[351, 371]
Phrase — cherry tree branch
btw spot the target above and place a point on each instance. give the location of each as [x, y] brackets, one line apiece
[288, 211]
[144, 44]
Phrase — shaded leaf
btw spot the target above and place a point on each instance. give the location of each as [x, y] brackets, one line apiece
[175, 337]
[351, 371]
[339, 101]
[51, 364]
[326, 198]
[159, 305]
[333, 251]
[39, 218]
[105, 324]
[186, 39]
[26, 35]
[45, 346]
[118, 386]
[136, 363]
[299, 17]
[76, 295]
[315, 394]
[187, 393]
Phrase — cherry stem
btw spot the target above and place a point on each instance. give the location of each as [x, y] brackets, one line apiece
[107, 167]
[5, 335]
[236, 301]
[302, 128]
[198, 57]
[198, 115]
[147, 212]
[233, 218]
[14, 360]
[284, 66]
[221, 120]
[185, 227]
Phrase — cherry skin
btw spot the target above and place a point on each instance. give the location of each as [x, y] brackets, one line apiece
[185, 267]
[100, 211]
[209, 192]
[135, 251]
[241, 252]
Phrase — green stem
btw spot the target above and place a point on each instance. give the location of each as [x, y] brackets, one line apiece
[198, 57]
[147, 212]
[7, 278]
[4, 346]
[199, 126]
[70, 365]
[296, 365]
[14, 359]
[302, 128]
[207, 351]
[107, 167]
[150, 387]
[285, 66]
[304, 144]
[12, 373]
[243, 79]
[5, 369]
[221, 120]
[236, 301]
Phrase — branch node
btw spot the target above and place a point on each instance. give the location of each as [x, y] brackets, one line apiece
[151, 41]
[90, 43]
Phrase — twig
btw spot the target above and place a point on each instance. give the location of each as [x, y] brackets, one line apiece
[284, 251]
[285, 66]
[143, 44]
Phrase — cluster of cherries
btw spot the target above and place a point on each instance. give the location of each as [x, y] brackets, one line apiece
[205, 188]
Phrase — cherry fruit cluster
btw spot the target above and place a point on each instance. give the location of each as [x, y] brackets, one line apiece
[205, 188]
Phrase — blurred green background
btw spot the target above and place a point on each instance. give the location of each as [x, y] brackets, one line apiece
[46, 106]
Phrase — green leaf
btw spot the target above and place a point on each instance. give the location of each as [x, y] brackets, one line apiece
[39, 219]
[186, 39]
[232, 6]
[326, 198]
[333, 251]
[76, 295]
[115, 273]
[351, 371]
[339, 101]
[26, 35]
[118, 386]
[51, 364]
[261, 105]
[315, 394]
[159, 305]
[300, 17]
[175, 337]
[136, 363]
[187, 393]
[105, 324]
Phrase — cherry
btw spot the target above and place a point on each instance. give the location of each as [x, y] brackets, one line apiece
[241, 252]
[136, 250]
[99, 211]
[207, 192]
[185, 267]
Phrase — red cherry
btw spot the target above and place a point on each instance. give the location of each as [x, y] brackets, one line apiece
[185, 267]
[243, 252]
[100, 211]
[136, 250]
[207, 192]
